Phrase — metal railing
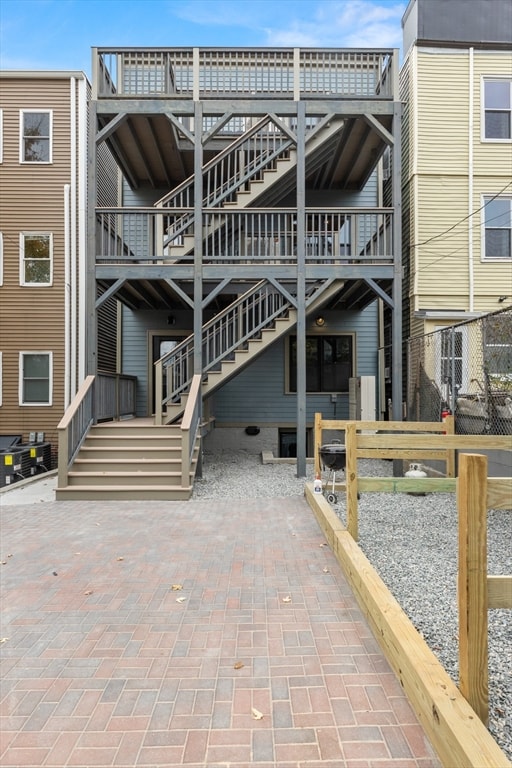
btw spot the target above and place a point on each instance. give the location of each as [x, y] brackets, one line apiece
[202, 73]
[464, 369]
[256, 235]
[101, 397]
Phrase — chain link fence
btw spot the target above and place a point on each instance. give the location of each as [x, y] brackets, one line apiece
[466, 370]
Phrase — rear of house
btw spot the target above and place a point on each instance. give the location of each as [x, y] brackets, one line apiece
[252, 187]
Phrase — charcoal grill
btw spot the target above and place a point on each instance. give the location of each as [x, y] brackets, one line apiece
[334, 458]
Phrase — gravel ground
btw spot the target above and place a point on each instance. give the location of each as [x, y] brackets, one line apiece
[412, 543]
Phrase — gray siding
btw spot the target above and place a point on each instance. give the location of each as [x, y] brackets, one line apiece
[489, 22]
[257, 394]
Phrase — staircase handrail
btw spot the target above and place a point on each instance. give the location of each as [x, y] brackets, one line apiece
[220, 337]
[73, 427]
[190, 429]
[164, 202]
[104, 396]
[227, 188]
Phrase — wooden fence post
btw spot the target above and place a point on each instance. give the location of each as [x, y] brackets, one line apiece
[472, 582]
[351, 479]
[450, 453]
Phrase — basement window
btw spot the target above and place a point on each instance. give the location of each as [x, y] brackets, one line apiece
[288, 443]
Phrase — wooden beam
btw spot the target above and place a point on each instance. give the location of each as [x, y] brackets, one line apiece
[472, 582]
[499, 493]
[460, 739]
[407, 484]
[499, 591]
[408, 454]
[425, 441]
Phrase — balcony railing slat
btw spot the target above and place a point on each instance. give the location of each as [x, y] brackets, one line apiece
[247, 236]
[254, 73]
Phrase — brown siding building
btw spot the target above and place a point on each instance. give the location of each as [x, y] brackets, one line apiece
[42, 258]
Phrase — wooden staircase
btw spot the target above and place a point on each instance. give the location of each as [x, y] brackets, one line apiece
[133, 459]
[251, 348]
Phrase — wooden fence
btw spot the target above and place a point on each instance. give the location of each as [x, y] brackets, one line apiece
[450, 726]
[410, 441]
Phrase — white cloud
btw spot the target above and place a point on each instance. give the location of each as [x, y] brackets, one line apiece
[316, 23]
[345, 24]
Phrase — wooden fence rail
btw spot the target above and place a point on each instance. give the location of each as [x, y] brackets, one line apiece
[410, 441]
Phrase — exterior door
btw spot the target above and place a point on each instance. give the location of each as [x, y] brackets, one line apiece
[160, 345]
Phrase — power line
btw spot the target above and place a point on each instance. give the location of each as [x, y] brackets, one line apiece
[461, 221]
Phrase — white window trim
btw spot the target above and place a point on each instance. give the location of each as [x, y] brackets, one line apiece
[483, 137]
[483, 256]
[50, 138]
[23, 235]
[50, 375]
[465, 380]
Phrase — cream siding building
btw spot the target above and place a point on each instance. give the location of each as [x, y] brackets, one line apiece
[457, 168]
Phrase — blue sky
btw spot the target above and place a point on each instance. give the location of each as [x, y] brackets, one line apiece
[59, 34]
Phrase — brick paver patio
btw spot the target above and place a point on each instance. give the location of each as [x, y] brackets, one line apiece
[262, 658]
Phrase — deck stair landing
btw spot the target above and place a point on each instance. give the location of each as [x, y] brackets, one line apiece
[131, 460]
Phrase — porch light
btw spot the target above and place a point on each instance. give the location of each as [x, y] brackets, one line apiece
[320, 321]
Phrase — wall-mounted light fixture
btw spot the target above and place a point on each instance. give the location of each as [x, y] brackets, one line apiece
[320, 321]
[171, 320]
[502, 299]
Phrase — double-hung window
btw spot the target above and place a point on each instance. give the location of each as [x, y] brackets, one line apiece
[497, 124]
[36, 258]
[329, 363]
[35, 136]
[497, 214]
[35, 378]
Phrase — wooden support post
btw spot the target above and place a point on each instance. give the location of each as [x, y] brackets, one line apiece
[472, 583]
[351, 479]
[450, 453]
[318, 442]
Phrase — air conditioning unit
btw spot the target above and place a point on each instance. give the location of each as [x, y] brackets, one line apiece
[361, 398]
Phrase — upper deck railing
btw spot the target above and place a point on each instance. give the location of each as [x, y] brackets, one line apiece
[217, 73]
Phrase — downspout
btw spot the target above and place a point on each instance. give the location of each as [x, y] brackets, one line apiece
[471, 276]
[67, 293]
[80, 241]
[414, 255]
[72, 245]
